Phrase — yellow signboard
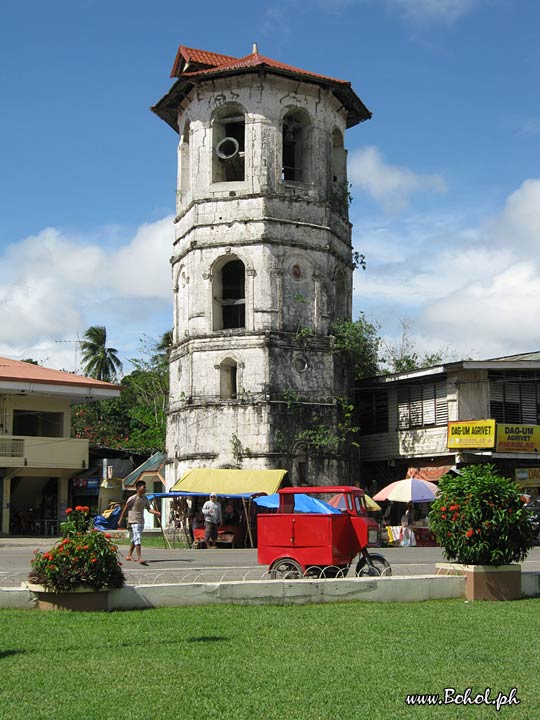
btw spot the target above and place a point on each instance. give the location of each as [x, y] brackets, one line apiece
[471, 434]
[518, 438]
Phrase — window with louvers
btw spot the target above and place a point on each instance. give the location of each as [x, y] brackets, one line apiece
[515, 402]
[422, 405]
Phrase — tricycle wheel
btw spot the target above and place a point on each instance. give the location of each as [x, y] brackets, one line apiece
[379, 566]
[286, 569]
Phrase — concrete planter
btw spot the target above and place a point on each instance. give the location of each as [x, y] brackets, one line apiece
[486, 582]
[82, 598]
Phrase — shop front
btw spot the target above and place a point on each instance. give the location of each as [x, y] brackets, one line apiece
[84, 491]
[33, 505]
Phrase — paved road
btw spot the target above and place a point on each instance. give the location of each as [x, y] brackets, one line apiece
[170, 566]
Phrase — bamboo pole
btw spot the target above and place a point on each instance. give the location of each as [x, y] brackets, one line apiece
[166, 544]
[248, 521]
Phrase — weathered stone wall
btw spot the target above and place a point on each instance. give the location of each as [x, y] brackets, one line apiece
[294, 240]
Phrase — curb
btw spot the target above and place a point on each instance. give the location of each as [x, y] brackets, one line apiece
[416, 588]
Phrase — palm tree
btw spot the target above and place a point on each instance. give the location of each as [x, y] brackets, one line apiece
[99, 361]
[164, 344]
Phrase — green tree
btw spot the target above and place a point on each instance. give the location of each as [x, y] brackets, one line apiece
[403, 356]
[99, 361]
[164, 345]
[137, 419]
[358, 342]
[146, 393]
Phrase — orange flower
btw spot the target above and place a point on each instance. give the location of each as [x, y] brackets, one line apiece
[470, 532]
[69, 510]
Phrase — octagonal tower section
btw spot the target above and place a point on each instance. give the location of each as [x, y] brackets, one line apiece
[262, 265]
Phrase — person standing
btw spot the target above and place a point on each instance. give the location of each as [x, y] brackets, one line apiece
[407, 533]
[212, 520]
[135, 507]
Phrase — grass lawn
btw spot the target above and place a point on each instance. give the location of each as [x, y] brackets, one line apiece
[148, 540]
[312, 662]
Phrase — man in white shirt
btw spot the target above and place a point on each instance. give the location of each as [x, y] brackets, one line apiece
[135, 507]
[212, 520]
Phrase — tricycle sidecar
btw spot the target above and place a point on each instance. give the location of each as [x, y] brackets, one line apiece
[295, 544]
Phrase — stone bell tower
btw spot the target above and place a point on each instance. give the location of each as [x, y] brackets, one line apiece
[262, 264]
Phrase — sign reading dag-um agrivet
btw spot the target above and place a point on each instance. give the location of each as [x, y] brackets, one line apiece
[518, 438]
[471, 434]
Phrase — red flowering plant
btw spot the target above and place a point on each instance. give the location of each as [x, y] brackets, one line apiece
[479, 518]
[84, 557]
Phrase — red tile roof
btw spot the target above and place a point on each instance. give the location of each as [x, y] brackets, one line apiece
[16, 370]
[199, 57]
[193, 66]
[222, 63]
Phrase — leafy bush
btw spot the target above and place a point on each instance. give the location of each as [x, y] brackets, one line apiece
[479, 518]
[83, 557]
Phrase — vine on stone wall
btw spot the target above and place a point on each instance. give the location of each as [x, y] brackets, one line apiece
[322, 438]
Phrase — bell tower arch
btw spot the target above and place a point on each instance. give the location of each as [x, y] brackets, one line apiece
[262, 263]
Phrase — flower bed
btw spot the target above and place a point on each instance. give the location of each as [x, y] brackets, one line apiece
[84, 557]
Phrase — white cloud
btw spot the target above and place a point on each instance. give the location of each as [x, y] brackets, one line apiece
[424, 11]
[519, 225]
[475, 290]
[390, 185]
[54, 285]
[416, 11]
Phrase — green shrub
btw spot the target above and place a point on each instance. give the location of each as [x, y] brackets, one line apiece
[83, 557]
[479, 518]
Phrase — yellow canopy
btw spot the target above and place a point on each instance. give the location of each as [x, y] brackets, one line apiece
[370, 503]
[229, 482]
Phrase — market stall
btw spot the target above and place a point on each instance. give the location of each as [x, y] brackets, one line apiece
[235, 490]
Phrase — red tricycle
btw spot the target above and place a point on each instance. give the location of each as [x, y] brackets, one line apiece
[322, 541]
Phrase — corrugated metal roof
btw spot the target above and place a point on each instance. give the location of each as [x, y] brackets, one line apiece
[522, 356]
[153, 464]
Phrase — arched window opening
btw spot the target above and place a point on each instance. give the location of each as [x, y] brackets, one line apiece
[341, 304]
[301, 466]
[229, 146]
[228, 380]
[230, 296]
[339, 161]
[184, 178]
[295, 146]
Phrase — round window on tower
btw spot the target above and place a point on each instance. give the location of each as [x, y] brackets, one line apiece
[296, 272]
[300, 363]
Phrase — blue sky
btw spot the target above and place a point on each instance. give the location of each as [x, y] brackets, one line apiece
[445, 176]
